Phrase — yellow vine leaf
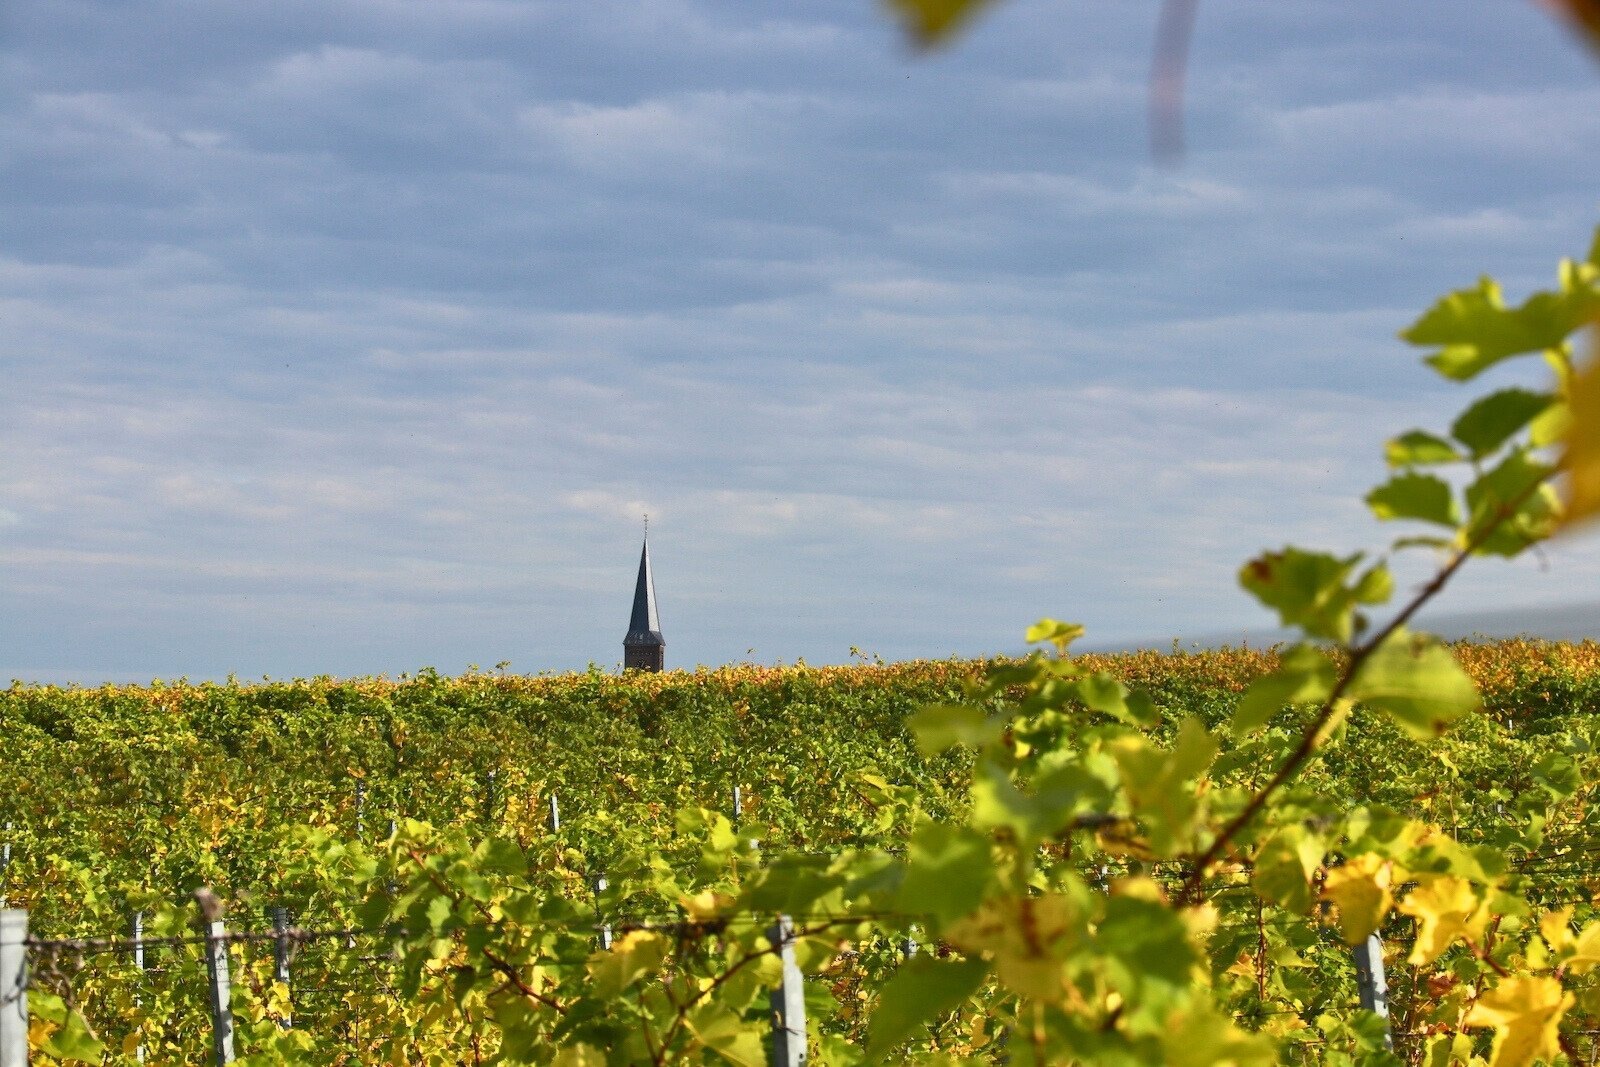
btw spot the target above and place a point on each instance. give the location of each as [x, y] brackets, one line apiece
[1582, 460]
[1586, 950]
[631, 958]
[930, 22]
[705, 905]
[1361, 890]
[1524, 1012]
[1446, 909]
[1556, 929]
[1027, 938]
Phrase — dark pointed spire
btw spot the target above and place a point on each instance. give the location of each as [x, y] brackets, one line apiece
[644, 648]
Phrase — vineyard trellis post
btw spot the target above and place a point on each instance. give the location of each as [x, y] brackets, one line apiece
[5, 863]
[280, 960]
[600, 886]
[1373, 985]
[13, 987]
[555, 814]
[788, 1000]
[221, 991]
[136, 935]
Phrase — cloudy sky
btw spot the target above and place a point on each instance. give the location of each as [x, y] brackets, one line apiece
[352, 336]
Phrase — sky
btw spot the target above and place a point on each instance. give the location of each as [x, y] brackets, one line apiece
[355, 336]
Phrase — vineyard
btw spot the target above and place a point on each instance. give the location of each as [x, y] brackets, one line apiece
[441, 915]
[1366, 846]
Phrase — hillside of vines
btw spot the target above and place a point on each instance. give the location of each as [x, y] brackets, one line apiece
[417, 813]
[155, 789]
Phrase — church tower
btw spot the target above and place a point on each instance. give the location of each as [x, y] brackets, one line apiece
[644, 649]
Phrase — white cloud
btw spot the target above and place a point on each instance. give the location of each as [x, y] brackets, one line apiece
[364, 339]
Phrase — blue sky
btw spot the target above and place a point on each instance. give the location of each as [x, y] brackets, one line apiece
[352, 336]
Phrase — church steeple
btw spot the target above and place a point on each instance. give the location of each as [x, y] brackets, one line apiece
[644, 648]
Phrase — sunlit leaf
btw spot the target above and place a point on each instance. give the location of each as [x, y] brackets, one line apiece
[943, 726]
[1525, 1012]
[1360, 888]
[1586, 950]
[1446, 909]
[1476, 330]
[1157, 782]
[1206, 1039]
[632, 957]
[580, 1055]
[1418, 448]
[74, 1042]
[1060, 634]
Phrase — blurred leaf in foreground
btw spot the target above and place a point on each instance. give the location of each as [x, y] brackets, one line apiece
[931, 22]
[1582, 461]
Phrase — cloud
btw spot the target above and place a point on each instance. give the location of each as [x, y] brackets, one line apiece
[360, 335]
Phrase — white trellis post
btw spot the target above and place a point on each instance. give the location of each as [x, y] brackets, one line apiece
[14, 987]
[600, 886]
[221, 991]
[555, 814]
[788, 1000]
[136, 935]
[1373, 985]
[5, 863]
[280, 960]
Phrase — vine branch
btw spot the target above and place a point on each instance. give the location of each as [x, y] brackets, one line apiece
[1188, 893]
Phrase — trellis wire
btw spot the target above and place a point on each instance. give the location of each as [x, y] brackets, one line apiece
[788, 1033]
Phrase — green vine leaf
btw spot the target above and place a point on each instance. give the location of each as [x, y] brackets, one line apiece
[1309, 590]
[1060, 634]
[1418, 448]
[1493, 420]
[1513, 504]
[921, 990]
[944, 726]
[1304, 676]
[1422, 497]
[1284, 866]
[1418, 682]
[1476, 330]
[948, 870]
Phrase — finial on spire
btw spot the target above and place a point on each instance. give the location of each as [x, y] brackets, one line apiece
[647, 526]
